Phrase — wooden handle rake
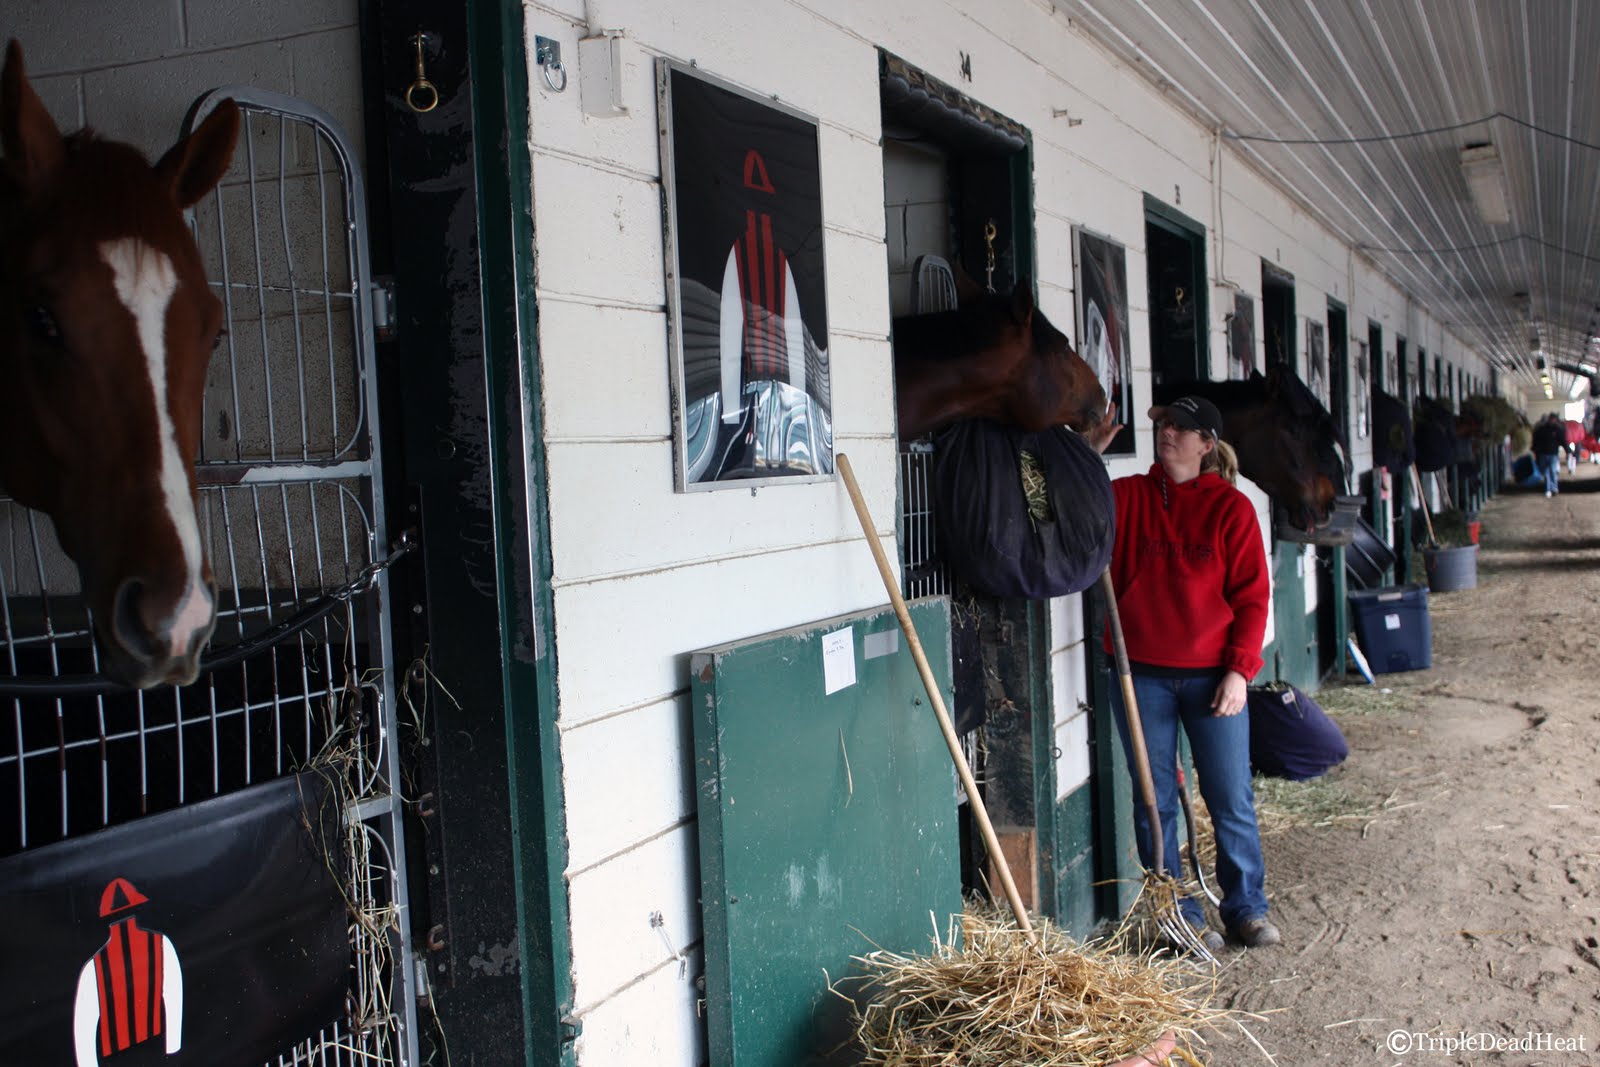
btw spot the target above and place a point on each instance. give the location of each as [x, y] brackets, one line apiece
[980, 814]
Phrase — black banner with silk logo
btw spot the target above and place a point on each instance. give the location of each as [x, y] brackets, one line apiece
[214, 934]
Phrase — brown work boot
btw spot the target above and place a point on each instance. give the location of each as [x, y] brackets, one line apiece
[1258, 933]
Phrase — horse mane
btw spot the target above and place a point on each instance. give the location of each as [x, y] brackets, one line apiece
[956, 334]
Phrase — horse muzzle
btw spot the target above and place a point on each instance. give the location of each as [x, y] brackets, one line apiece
[156, 640]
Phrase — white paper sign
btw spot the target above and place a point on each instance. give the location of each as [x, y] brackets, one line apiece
[838, 660]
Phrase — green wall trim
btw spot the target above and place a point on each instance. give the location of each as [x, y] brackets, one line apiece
[498, 48]
[1077, 899]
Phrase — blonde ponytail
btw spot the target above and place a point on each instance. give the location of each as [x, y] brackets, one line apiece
[1223, 460]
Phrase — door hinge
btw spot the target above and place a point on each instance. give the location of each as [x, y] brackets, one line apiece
[384, 326]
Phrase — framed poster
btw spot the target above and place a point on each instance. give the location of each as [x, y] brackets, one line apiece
[1317, 362]
[1363, 390]
[1102, 269]
[746, 305]
[1242, 337]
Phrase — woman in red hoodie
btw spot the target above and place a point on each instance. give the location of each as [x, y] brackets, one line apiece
[1192, 589]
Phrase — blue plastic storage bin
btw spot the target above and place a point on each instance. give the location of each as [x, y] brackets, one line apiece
[1393, 627]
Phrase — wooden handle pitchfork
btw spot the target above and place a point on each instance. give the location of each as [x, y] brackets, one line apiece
[980, 814]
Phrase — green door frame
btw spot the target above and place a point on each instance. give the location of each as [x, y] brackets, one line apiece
[1169, 219]
[504, 163]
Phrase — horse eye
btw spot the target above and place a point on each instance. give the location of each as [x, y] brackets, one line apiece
[44, 324]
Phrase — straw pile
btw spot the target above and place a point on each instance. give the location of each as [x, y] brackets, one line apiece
[996, 1001]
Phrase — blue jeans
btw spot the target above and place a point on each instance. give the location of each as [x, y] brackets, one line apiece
[1550, 467]
[1221, 749]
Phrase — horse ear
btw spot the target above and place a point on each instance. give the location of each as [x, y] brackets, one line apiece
[194, 165]
[1274, 377]
[32, 143]
[1022, 301]
[967, 290]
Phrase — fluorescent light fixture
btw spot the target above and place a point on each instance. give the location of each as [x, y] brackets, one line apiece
[1486, 182]
[1579, 387]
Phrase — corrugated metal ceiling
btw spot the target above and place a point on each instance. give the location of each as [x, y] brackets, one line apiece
[1360, 109]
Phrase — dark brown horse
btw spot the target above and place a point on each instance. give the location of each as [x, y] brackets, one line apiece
[1288, 443]
[106, 326]
[994, 357]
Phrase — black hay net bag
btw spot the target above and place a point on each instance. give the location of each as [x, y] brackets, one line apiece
[1392, 446]
[985, 531]
[1435, 434]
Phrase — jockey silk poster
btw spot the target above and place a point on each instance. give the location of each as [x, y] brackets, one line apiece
[212, 934]
[745, 284]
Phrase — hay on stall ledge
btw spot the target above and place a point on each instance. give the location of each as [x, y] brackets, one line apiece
[994, 1000]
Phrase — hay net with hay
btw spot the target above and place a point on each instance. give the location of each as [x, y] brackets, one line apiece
[990, 999]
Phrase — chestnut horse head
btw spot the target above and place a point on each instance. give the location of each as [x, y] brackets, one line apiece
[994, 357]
[1287, 442]
[106, 326]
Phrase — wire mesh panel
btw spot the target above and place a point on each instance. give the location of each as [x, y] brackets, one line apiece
[933, 289]
[291, 511]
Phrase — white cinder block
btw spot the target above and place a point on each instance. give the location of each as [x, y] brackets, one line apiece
[613, 941]
[1073, 768]
[863, 385]
[603, 497]
[655, 1021]
[1069, 681]
[599, 234]
[633, 396]
[557, 121]
[852, 179]
[858, 289]
[1066, 620]
[608, 812]
[661, 616]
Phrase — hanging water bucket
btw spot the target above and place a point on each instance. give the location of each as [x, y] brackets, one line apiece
[1450, 569]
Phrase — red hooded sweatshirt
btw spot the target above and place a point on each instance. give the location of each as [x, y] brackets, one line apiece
[1190, 573]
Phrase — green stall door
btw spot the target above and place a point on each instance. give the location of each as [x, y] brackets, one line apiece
[827, 818]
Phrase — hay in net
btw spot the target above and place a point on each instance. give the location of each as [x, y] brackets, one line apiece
[1035, 489]
[993, 1000]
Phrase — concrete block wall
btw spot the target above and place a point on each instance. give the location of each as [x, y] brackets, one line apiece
[131, 70]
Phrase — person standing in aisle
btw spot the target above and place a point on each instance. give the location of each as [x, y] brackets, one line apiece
[1192, 588]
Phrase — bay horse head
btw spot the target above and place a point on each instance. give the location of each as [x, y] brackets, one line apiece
[993, 357]
[106, 327]
[1287, 442]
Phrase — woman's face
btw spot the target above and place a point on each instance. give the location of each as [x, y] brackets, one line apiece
[1181, 448]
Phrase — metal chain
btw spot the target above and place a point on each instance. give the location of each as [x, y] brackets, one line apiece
[989, 232]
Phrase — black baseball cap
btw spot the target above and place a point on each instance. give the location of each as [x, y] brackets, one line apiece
[1192, 413]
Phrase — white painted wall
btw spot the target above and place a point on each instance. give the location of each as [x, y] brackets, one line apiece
[643, 575]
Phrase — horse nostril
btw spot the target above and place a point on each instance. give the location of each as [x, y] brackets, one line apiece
[127, 624]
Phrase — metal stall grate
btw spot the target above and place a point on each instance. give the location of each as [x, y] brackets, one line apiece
[922, 574]
[291, 507]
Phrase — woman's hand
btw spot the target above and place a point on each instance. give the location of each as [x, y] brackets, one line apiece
[1102, 433]
[1230, 696]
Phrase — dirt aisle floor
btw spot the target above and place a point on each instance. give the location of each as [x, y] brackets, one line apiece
[1447, 877]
